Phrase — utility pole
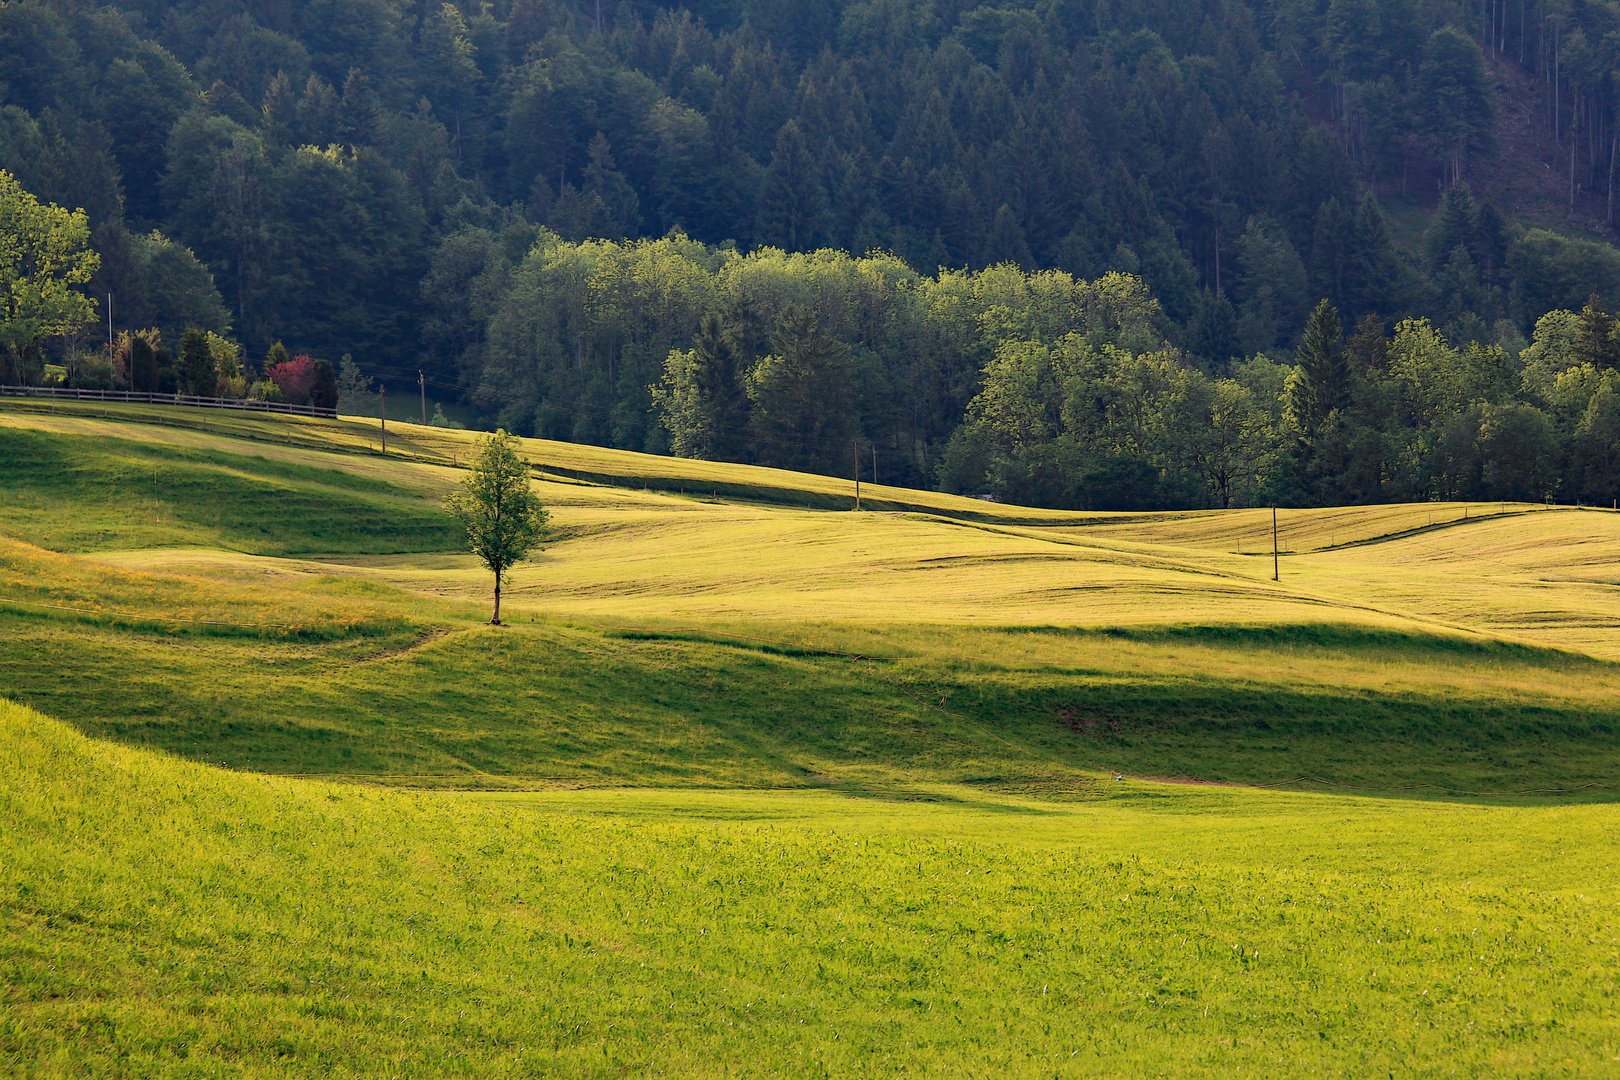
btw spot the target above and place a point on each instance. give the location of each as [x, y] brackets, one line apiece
[382, 411]
[421, 383]
[1275, 573]
[857, 474]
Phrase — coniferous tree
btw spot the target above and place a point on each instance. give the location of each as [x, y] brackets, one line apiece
[279, 122]
[318, 112]
[1005, 242]
[1455, 101]
[1271, 287]
[1595, 342]
[1453, 225]
[801, 395]
[620, 206]
[323, 394]
[793, 204]
[702, 399]
[196, 373]
[357, 119]
[1324, 381]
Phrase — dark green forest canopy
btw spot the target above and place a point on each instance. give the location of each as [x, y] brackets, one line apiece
[393, 180]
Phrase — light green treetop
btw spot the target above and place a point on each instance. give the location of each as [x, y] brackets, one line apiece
[44, 252]
[500, 511]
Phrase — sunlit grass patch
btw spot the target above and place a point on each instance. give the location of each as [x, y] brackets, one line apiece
[158, 919]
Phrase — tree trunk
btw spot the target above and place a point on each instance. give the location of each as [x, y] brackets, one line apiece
[495, 619]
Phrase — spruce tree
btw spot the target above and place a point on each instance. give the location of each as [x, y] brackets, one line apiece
[1453, 224]
[196, 375]
[357, 114]
[1595, 342]
[793, 205]
[280, 111]
[1323, 366]
[721, 380]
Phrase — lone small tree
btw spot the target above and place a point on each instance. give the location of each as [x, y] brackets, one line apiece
[502, 515]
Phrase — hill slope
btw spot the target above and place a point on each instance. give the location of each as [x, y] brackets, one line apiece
[666, 639]
[163, 919]
[788, 790]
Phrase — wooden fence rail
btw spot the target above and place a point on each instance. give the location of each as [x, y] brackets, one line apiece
[60, 393]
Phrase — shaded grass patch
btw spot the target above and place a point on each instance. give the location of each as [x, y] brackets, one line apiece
[73, 494]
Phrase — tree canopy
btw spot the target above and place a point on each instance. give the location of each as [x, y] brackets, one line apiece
[44, 252]
[495, 503]
[589, 221]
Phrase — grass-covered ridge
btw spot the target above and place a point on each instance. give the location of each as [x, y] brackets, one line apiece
[77, 494]
[751, 788]
[162, 918]
[1025, 658]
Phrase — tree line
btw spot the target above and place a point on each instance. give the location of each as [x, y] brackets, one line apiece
[479, 191]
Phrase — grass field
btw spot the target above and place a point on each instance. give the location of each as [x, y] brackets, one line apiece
[753, 785]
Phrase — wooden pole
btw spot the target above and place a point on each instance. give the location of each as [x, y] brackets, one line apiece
[857, 474]
[421, 383]
[1276, 573]
[382, 411]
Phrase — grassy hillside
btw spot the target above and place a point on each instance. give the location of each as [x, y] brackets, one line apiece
[665, 639]
[77, 494]
[758, 787]
[160, 918]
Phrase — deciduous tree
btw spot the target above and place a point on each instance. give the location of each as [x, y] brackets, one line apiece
[44, 254]
[504, 519]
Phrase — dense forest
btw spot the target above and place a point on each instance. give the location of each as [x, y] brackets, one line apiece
[1077, 252]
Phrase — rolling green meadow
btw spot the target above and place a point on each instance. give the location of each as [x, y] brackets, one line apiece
[754, 785]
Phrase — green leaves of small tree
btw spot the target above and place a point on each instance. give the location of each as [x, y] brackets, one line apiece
[44, 252]
[501, 513]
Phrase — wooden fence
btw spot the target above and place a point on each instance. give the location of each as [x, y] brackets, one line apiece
[63, 393]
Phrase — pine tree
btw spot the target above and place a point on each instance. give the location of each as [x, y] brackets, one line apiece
[357, 114]
[701, 400]
[1453, 225]
[318, 112]
[1490, 243]
[802, 398]
[196, 375]
[1368, 348]
[1213, 334]
[1323, 367]
[621, 207]
[1005, 243]
[1271, 287]
[324, 394]
[280, 111]
[722, 385]
[793, 204]
[1375, 276]
[1595, 339]
[1332, 252]
[1454, 99]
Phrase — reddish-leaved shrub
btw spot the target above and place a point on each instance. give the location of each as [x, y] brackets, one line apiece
[296, 377]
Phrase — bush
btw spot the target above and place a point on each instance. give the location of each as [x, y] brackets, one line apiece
[93, 371]
[265, 390]
[295, 377]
